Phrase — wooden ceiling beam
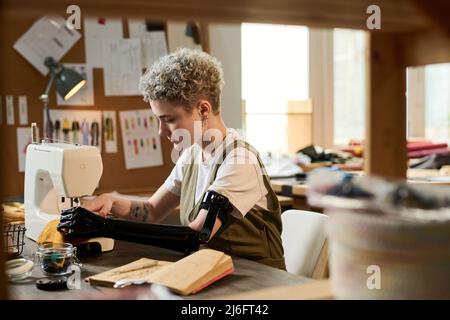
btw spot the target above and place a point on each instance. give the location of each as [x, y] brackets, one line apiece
[397, 16]
[436, 11]
[425, 48]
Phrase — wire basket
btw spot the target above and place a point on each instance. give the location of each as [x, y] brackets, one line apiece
[13, 235]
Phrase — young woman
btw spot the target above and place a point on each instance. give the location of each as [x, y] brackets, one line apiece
[183, 89]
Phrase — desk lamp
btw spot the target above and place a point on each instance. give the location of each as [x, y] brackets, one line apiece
[67, 83]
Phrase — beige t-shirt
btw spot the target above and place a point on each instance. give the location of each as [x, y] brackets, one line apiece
[239, 178]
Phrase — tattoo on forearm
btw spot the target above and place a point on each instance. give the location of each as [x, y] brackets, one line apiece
[139, 210]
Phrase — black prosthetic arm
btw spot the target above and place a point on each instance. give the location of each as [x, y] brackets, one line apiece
[178, 238]
[217, 206]
[78, 222]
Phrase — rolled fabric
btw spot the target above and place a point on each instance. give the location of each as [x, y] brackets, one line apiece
[51, 234]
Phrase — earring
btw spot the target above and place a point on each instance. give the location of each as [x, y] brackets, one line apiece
[204, 119]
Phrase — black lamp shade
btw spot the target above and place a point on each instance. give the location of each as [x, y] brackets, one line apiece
[68, 82]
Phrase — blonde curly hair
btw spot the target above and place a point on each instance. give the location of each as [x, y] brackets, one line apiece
[184, 77]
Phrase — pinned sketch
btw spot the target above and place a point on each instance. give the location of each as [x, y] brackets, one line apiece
[85, 96]
[122, 67]
[152, 37]
[10, 110]
[183, 35]
[23, 110]
[23, 140]
[76, 126]
[47, 37]
[110, 131]
[141, 142]
[95, 31]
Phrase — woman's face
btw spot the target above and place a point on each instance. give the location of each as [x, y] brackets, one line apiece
[174, 117]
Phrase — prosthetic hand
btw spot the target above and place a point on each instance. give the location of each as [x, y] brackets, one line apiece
[78, 222]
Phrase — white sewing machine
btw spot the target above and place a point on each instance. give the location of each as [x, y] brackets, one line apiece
[57, 175]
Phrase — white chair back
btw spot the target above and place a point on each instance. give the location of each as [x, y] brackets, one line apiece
[303, 237]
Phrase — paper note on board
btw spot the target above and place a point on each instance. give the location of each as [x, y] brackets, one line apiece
[152, 37]
[76, 126]
[110, 131]
[177, 37]
[141, 142]
[23, 110]
[10, 110]
[23, 140]
[122, 68]
[95, 31]
[47, 37]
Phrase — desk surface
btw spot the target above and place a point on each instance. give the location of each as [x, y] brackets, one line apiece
[292, 187]
[248, 275]
[289, 187]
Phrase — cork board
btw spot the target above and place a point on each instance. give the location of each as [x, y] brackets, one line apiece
[19, 77]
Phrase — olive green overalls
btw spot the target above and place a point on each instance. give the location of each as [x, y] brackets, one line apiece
[257, 236]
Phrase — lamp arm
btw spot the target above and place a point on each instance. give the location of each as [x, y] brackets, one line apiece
[49, 85]
[45, 99]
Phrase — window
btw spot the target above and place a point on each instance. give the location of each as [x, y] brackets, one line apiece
[276, 61]
[349, 68]
[428, 97]
[274, 71]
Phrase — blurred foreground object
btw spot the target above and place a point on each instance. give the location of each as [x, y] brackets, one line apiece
[388, 240]
[13, 228]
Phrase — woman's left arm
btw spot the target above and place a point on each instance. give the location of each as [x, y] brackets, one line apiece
[198, 222]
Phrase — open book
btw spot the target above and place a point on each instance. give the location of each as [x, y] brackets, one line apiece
[186, 276]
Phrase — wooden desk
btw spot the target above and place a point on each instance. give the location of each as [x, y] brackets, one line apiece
[289, 187]
[295, 189]
[248, 276]
[298, 190]
[313, 290]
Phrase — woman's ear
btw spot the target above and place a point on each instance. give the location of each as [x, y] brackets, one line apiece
[204, 108]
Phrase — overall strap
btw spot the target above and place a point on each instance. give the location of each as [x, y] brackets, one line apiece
[190, 208]
[188, 187]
